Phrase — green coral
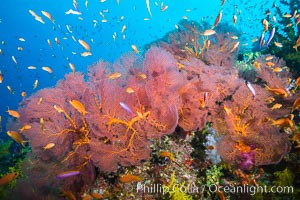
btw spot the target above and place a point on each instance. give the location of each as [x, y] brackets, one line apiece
[213, 175]
[287, 36]
[10, 161]
[249, 57]
[4, 190]
[245, 67]
[177, 191]
[4, 148]
[284, 178]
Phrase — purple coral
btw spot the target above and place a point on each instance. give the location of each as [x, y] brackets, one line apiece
[247, 160]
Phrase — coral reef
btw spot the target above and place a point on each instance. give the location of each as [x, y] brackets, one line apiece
[109, 120]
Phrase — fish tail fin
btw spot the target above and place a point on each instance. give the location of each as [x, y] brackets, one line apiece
[23, 143]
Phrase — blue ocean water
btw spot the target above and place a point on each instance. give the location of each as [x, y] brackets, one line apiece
[17, 22]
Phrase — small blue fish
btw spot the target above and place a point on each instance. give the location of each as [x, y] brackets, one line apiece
[270, 36]
[126, 107]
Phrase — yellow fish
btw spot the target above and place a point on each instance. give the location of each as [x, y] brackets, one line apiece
[48, 15]
[86, 53]
[135, 49]
[277, 91]
[48, 146]
[296, 104]
[31, 67]
[85, 45]
[72, 67]
[24, 128]
[47, 69]
[209, 32]
[16, 137]
[283, 122]
[13, 113]
[10, 89]
[276, 106]
[129, 178]
[58, 109]
[35, 84]
[1, 77]
[129, 90]
[115, 75]
[8, 178]
[42, 124]
[78, 106]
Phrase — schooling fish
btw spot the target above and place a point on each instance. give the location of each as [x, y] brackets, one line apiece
[73, 12]
[270, 36]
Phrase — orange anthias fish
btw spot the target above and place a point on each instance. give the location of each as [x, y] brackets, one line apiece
[135, 49]
[78, 106]
[283, 122]
[298, 82]
[8, 178]
[296, 104]
[234, 18]
[72, 67]
[16, 137]
[23, 94]
[129, 90]
[129, 178]
[298, 20]
[24, 128]
[86, 53]
[48, 146]
[114, 75]
[276, 106]
[297, 44]
[266, 25]
[277, 91]
[209, 32]
[269, 64]
[278, 44]
[13, 113]
[48, 15]
[47, 69]
[58, 109]
[85, 45]
[256, 64]
[235, 45]
[1, 77]
[218, 19]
